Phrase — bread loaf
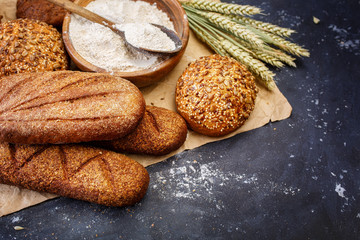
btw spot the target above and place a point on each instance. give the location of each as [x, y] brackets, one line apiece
[215, 95]
[30, 46]
[74, 171]
[67, 107]
[41, 10]
[160, 132]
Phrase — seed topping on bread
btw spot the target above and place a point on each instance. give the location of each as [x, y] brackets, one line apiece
[215, 95]
[30, 46]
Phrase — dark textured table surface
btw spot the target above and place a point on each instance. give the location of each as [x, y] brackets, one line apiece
[294, 179]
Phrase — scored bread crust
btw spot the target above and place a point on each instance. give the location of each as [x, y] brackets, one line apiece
[215, 95]
[67, 107]
[41, 10]
[30, 46]
[160, 132]
[74, 171]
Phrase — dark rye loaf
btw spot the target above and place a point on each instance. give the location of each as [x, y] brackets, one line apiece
[41, 10]
[160, 132]
[74, 171]
[67, 107]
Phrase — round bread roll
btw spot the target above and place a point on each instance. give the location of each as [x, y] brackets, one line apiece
[41, 10]
[215, 95]
[30, 46]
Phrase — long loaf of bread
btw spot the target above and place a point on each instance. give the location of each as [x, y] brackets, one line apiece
[67, 107]
[74, 171]
[160, 132]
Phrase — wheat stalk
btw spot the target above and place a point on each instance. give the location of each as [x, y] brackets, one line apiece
[253, 64]
[207, 38]
[226, 8]
[251, 42]
[281, 43]
[284, 32]
[279, 55]
[274, 61]
[232, 48]
[289, 46]
[269, 55]
[236, 29]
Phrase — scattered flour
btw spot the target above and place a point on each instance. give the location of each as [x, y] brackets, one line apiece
[196, 181]
[16, 219]
[315, 177]
[290, 190]
[285, 17]
[343, 39]
[340, 190]
[102, 47]
[192, 181]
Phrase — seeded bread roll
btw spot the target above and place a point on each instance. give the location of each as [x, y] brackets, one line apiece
[215, 95]
[74, 171]
[160, 132]
[67, 107]
[30, 46]
[41, 10]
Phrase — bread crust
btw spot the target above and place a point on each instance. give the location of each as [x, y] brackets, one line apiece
[160, 132]
[67, 107]
[215, 95]
[74, 171]
[41, 10]
[30, 46]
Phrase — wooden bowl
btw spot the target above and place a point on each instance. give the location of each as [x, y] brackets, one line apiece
[145, 77]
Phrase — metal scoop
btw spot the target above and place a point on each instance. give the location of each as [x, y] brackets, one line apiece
[74, 8]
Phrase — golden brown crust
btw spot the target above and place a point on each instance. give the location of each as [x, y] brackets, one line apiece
[41, 10]
[74, 171]
[67, 107]
[160, 132]
[30, 46]
[215, 95]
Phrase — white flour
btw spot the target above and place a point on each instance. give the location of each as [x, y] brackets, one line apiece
[136, 33]
[103, 48]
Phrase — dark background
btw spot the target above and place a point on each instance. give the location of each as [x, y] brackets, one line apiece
[294, 179]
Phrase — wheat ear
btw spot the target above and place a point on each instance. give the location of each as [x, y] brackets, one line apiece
[281, 43]
[221, 7]
[284, 32]
[253, 64]
[236, 29]
[269, 55]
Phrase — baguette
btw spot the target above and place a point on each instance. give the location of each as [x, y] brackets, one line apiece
[160, 132]
[67, 107]
[74, 171]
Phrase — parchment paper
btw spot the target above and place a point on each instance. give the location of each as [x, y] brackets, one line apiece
[269, 106]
